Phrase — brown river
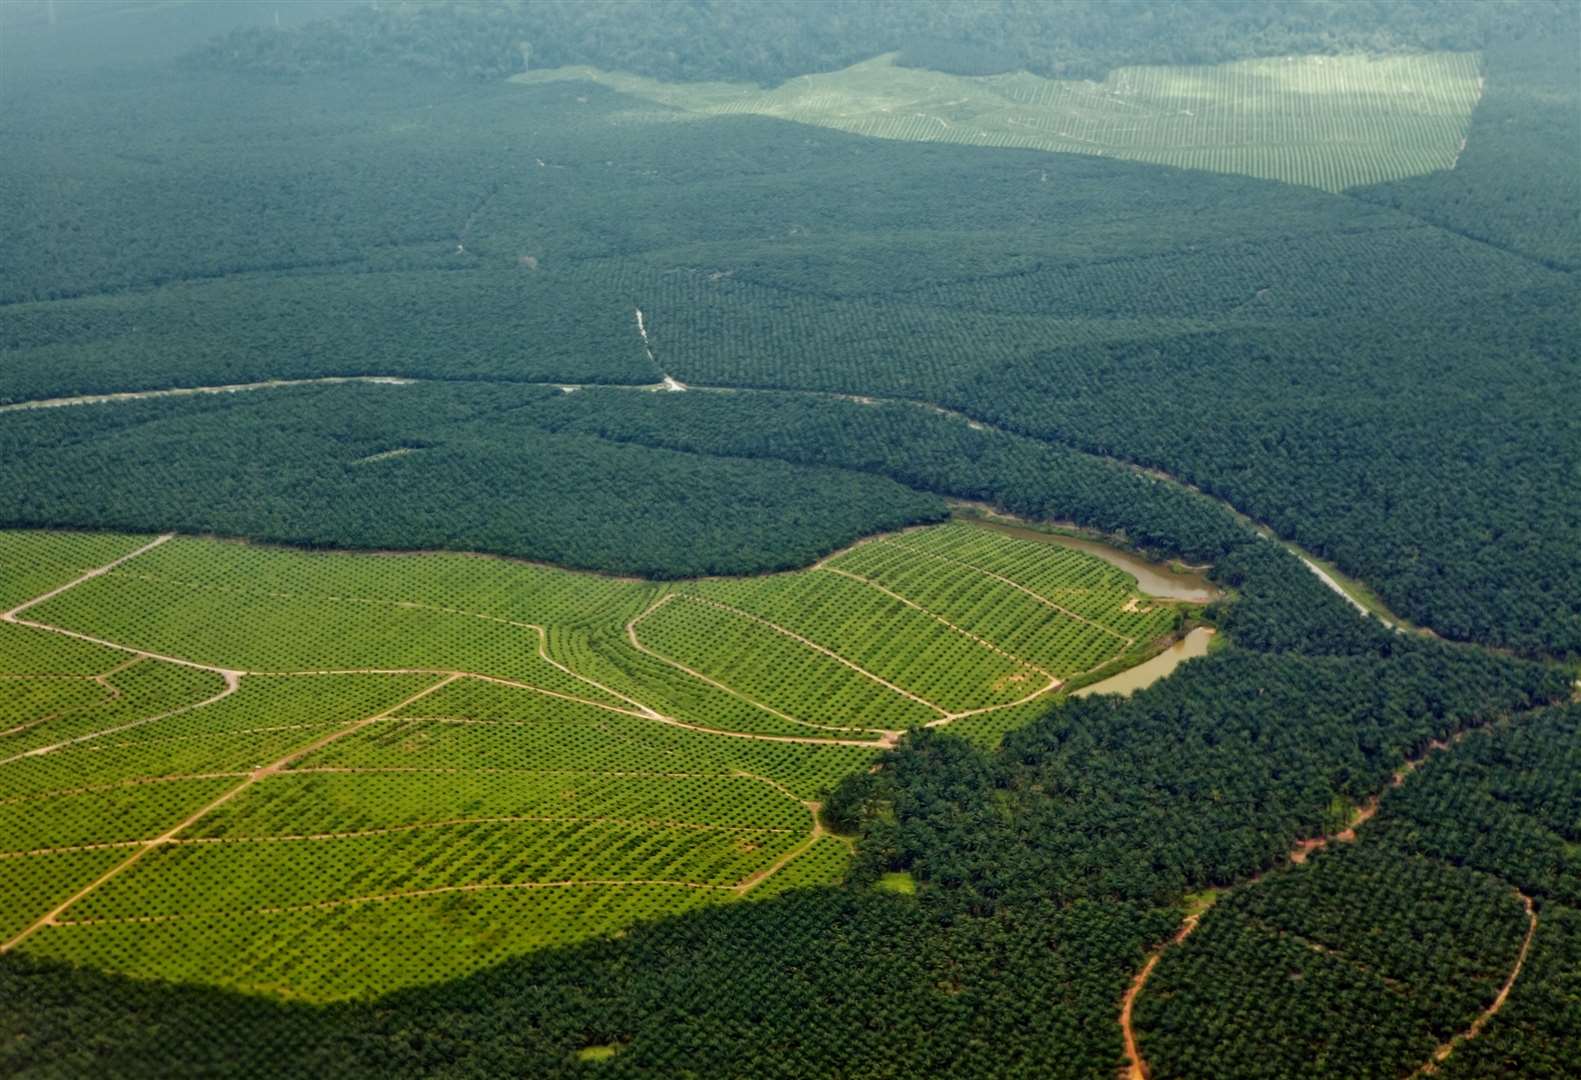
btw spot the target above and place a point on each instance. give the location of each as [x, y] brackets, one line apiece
[1148, 672]
[1154, 580]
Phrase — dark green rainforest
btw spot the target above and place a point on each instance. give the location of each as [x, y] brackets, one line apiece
[1388, 377]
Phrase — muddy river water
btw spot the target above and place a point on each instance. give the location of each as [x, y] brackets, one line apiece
[1149, 672]
[1154, 580]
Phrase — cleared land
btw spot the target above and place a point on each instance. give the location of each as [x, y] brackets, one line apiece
[1330, 122]
[332, 775]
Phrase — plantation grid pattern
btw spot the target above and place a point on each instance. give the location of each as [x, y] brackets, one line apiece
[330, 775]
[1330, 122]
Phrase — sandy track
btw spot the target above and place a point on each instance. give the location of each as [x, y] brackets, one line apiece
[758, 877]
[753, 880]
[232, 678]
[1447, 1048]
[1047, 688]
[1300, 851]
[1136, 1065]
[189, 391]
[11, 616]
[50, 718]
[232, 682]
[1368, 809]
[102, 680]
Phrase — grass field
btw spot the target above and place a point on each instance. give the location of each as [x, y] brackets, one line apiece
[1330, 122]
[333, 775]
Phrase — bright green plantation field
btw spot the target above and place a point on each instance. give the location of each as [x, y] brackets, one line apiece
[1329, 122]
[331, 775]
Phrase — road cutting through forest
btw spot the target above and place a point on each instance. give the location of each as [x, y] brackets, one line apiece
[1136, 1067]
[1329, 578]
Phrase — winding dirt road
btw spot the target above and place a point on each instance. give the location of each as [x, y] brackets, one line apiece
[1136, 1065]
[668, 382]
[1441, 1054]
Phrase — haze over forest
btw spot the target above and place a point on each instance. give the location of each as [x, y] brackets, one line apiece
[869, 538]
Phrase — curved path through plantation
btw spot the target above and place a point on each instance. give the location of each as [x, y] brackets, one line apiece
[1328, 575]
[1136, 1064]
[232, 677]
[1448, 1046]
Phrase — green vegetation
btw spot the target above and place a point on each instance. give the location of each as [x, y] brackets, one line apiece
[707, 309]
[1064, 857]
[1198, 903]
[1078, 313]
[1331, 122]
[1514, 186]
[1374, 958]
[771, 40]
[1357, 966]
[438, 761]
[1266, 766]
[32, 562]
[478, 479]
[897, 881]
[1537, 1031]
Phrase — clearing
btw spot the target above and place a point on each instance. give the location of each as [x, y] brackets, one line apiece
[332, 775]
[1330, 122]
